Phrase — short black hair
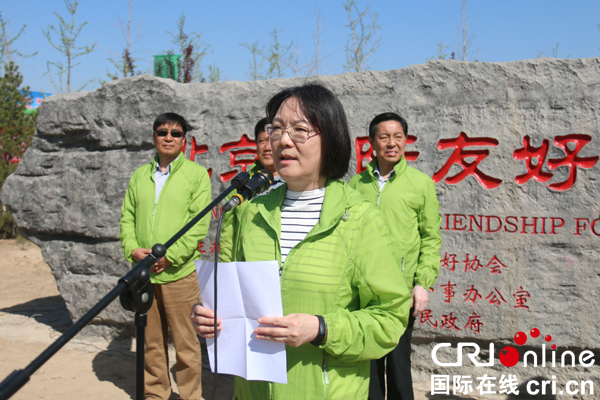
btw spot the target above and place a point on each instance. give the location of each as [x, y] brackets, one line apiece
[388, 116]
[170, 118]
[260, 127]
[325, 112]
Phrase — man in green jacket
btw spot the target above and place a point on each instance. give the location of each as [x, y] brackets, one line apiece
[231, 220]
[161, 198]
[407, 199]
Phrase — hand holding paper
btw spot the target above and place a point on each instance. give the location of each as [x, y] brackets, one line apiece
[203, 320]
[247, 291]
[293, 329]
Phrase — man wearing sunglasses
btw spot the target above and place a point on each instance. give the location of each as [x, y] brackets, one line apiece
[161, 198]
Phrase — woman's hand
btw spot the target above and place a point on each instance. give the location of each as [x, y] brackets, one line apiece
[293, 329]
[203, 320]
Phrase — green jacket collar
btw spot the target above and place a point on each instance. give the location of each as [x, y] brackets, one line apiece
[338, 199]
[174, 165]
[254, 168]
[399, 168]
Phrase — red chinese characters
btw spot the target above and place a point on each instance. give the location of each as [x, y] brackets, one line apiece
[570, 144]
[471, 294]
[459, 157]
[211, 249]
[363, 157]
[426, 317]
[195, 150]
[495, 297]
[535, 158]
[521, 297]
[571, 159]
[244, 147]
[449, 262]
[474, 323]
[472, 265]
[495, 266]
[449, 322]
[448, 291]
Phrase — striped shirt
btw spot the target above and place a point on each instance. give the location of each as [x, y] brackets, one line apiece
[300, 211]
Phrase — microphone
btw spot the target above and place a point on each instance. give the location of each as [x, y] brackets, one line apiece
[240, 180]
[259, 182]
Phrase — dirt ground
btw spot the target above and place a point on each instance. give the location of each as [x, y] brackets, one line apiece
[33, 316]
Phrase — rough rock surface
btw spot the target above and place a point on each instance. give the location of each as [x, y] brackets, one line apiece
[516, 256]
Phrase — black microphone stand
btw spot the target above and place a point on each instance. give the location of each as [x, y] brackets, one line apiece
[136, 294]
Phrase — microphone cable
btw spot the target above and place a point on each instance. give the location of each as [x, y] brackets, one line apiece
[259, 182]
[216, 265]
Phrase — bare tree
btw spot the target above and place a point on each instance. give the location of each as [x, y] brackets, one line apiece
[7, 51]
[192, 50]
[317, 65]
[293, 61]
[364, 37]
[277, 55]
[67, 35]
[124, 62]
[467, 36]
[255, 66]
[553, 52]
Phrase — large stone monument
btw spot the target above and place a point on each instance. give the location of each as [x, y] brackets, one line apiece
[513, 148]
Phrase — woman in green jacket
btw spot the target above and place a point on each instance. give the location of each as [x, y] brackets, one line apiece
[344, 300]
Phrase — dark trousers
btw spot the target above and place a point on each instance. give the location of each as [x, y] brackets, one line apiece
[399, 378]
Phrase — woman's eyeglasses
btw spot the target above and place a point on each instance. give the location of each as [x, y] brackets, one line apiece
[298, 134]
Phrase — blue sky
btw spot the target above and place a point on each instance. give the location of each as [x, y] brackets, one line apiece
[506, 30]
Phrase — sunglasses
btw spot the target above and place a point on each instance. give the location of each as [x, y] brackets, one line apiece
[175, 134]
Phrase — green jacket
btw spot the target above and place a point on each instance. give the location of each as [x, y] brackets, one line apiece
[231, 221]
[185, 193]
[409, 204]
[344, 270]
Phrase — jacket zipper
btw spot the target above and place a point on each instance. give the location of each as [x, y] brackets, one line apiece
[278, 241]
[325, 372]
[158, 200]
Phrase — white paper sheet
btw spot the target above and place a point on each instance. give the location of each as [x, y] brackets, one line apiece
[246, 291]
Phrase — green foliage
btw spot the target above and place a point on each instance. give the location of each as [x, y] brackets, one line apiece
[16, 133]
[255, 66]
[364, 37]
[441, 52]
[214, 73]
[192, 50]
[67, 35]
[7, 51]
[276, 55]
